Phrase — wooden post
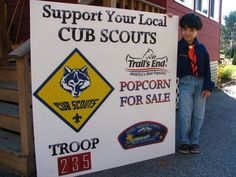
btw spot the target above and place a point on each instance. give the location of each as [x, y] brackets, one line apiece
[131, 4]
[3, 35]
[22, 66]
[86, 2]
[109, 3]
[140, 6]
[122, 4]
[153, 9]
[146, 7]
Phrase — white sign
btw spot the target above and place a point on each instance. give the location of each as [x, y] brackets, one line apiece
[103, 84]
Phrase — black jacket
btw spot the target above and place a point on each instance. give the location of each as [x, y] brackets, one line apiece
[203, 63]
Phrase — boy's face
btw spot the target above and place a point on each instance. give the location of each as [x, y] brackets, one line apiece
[189, 34]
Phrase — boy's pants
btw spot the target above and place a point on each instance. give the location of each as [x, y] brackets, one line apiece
[191, 109]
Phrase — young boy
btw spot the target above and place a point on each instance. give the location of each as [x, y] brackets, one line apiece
[195, 85]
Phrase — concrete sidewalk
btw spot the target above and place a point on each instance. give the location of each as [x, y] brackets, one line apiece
[217, 156]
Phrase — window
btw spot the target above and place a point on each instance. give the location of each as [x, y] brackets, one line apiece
[187, 3]
[202, 6]
[214, 9]
[208, 8]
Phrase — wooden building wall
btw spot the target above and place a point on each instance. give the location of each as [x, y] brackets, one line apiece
[210, 33]
[159, 2]
[3, 34]
[20, 27]
[18, 20]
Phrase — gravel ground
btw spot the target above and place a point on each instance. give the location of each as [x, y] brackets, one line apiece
[217, 156]
[230, 89]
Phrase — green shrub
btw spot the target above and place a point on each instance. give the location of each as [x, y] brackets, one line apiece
[220, 70]
[227, 73]
[234, 59]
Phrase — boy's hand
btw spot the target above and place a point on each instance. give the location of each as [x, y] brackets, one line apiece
[206, 93]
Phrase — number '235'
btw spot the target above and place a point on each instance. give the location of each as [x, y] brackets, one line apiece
[74, 163]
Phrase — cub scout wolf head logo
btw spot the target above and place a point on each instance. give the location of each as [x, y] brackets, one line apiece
[75, 80]
[70, 91]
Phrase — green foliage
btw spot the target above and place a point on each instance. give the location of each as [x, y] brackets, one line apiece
[234, 59]
[226, 73]
[220, 69]
[226, 34]
[230, 20]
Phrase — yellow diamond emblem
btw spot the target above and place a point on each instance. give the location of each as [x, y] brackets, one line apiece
[74, 91]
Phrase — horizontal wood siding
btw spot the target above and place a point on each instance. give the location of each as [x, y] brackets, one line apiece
[210, 33]
[24, 29]
[214, 75]
[159, 2]
[65, 1]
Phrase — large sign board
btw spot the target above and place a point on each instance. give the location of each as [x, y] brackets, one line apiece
[103, 84]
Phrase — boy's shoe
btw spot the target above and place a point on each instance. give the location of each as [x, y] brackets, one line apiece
[194, 148]
[184, 149]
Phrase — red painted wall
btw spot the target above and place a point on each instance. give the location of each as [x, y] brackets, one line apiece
[210, 33]
[159, 2]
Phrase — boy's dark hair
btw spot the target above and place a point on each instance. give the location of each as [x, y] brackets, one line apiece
[191, 21]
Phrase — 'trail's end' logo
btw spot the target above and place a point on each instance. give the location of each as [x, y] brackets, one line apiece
[146, 65]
